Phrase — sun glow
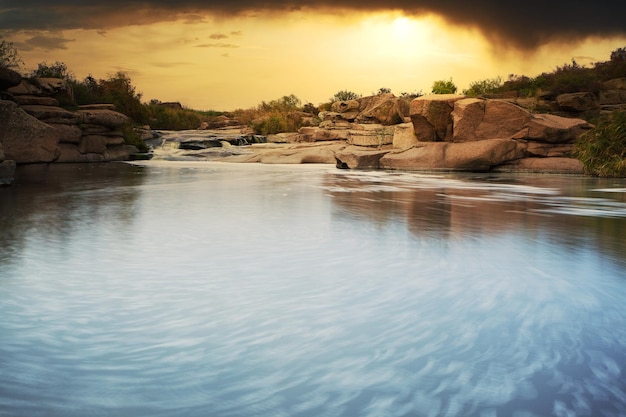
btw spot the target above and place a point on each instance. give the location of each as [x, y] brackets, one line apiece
[402, 27]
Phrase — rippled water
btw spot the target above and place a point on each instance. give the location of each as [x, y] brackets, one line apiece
[207, 289]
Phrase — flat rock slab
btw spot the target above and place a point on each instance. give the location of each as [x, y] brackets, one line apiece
[544, 165]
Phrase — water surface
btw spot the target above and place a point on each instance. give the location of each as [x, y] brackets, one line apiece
[210, 289]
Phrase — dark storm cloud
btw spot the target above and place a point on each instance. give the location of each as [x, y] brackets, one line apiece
[524, 24]
[44, 41]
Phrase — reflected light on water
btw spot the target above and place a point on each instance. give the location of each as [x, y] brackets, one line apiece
[187, 289]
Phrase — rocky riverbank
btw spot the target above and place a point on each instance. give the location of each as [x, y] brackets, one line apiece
[434, 132]
[34, 128]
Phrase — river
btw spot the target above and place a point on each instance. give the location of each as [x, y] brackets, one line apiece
[211, 289]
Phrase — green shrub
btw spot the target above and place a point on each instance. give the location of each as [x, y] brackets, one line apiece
[602, 150]
[344, 95]
[165, 118]
[444, 87]
[486, 86]
[117, 90]
[275, 123]
[132, 138]
[56, 70]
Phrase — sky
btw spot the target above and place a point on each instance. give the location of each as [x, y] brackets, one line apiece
[230, 54]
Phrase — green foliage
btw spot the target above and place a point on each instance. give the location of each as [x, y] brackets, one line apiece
[56, 70]
[344, 95]
[602, 150]
[571, 78]
[273, 124]
[283, 104]
[486, 86]
[132, 138]
[444, 87]
[276, 116]
[523, 85]
[117, 90]
[383, 90]
[276, 122]
[9, 57]
[165, 118]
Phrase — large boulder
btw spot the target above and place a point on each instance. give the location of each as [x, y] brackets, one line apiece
[432, 116]
[551, 128]
[37, 101]
[577, 102]
[24, 138]
[98, 143]
[384, 109]
[355, 157]
[108, 118]
[477, 119]
[371, 135]
[347, 106]
[317, 134]
[543, 149]
[69, 152]
[68, 133]
[285, 137]
[473, 156]
[318, 153]
[556, 165]
[9, 78]
[337, 124]
[331, 116]
[404, 136]
[612, 97]
[52, 114]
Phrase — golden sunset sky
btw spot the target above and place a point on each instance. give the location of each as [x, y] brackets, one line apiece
[227, 55]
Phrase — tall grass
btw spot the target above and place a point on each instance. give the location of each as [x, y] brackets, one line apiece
[602, 150]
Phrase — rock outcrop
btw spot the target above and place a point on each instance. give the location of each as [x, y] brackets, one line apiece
[24, 138]
[457, 133]
[35, 129]
[434, 132]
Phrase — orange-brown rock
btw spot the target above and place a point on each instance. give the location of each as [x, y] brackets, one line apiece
[470, 156]
[544, 165]
[384, 109]
[432, 116]
[355, 157]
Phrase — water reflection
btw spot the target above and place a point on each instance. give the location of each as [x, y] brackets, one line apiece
[569, 211]
[189, 289]
[52, 203]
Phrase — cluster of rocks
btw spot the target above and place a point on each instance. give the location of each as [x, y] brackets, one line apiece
[35, 129]
[434, 132]
[611, 97]
[442, 132]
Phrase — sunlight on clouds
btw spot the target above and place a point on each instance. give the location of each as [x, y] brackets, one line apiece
[237, 62]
